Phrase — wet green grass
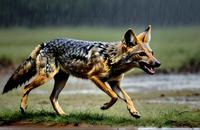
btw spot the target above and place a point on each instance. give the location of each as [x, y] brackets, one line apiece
[173, 46]
[85, 109]
[164, 118]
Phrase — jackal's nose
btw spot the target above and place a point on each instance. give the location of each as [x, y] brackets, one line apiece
[157, 63]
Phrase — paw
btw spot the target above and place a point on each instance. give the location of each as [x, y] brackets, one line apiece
[105, 106]
[22, 109]
[135, 114]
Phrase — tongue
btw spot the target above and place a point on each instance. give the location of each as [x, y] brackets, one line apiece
[150, 70]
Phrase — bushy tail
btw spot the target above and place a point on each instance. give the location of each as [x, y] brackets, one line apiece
[24, 72]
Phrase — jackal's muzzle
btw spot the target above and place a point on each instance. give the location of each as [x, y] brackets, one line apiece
[149, 68]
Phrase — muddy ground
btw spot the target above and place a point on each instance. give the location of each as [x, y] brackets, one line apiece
[169, 89]
[144, 84]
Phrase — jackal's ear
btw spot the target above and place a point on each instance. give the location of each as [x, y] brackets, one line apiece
[146, 35]
[130, 38]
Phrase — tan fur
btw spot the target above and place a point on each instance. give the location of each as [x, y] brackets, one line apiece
[34, 53]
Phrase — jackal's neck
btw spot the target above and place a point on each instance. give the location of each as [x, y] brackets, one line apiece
[123, 61]
[116, 52]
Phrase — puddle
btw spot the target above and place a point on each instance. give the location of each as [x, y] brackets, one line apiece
[162, 82]
[142, 83]
[190, 101]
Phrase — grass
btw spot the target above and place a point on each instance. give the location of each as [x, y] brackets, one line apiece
[167, 118]
[81, 110]
[173, 46]
[21, 41]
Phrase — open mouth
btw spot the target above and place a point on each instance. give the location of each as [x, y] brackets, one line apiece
[147, 68]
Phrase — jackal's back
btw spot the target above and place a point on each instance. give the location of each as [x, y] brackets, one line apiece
[77, 57]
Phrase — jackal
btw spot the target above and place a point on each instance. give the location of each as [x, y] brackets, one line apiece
[101, 62]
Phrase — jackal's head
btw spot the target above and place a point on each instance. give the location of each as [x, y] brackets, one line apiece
[139, 52]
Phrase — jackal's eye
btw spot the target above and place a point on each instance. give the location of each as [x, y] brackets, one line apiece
[152, 53]
[142, 54]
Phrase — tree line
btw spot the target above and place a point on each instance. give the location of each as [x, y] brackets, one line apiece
[98, 12]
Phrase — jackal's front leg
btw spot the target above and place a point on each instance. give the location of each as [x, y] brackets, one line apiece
[60, 81]
[107, 90]
[115, 85]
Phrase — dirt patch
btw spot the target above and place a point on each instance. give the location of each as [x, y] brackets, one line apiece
[6, 65]
[191, 66]
[50, 124]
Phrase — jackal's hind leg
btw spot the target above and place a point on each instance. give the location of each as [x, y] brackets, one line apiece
[115, 85]
[107, 90]
[60, 81]
[39, 80]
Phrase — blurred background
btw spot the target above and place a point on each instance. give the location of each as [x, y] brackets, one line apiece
[112, 13]
[175, 41]
[175, 38]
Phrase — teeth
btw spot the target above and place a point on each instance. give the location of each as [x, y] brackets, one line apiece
[148, 69]
[151, 70]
